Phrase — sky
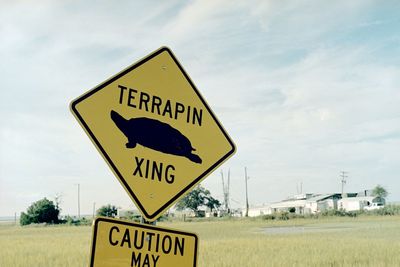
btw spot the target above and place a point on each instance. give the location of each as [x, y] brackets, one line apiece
[306, 89]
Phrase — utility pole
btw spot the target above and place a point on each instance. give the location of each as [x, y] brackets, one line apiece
[94, 209]
[299, 188]
[225, 188]
[79, 202]
[247, 197]
[343, 174]
[229, 181]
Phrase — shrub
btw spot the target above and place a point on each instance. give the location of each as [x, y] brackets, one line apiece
[268, 217]
[24, 219]
[340, 213]
[284, 216]
[389, 209]
[108, 211]
[132, 216]
[74, 221]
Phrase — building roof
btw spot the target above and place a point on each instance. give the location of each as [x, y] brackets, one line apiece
[261, 207]
[288, 204]
[321, 197]
[370, 198]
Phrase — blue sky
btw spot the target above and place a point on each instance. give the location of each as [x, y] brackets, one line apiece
[306, 89]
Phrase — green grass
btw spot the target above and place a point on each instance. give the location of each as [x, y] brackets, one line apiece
[338, 241]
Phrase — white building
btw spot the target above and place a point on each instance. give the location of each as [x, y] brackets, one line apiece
[295, 204]
[360, 203]
[258, 211]
[315, 203]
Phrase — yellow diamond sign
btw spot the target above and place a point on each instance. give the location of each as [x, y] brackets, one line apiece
[155, 131]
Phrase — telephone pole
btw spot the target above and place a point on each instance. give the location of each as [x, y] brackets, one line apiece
[299, 188]
[225, 188]
[94, 209]
[344, 175]
[247, 197]
[79, 202]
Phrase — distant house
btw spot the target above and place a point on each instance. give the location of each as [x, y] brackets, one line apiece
[293, 204]
[258, 211]
[289, 205]
[322, 202]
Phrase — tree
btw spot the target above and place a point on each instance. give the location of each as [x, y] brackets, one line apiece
[107, 211]
[212, 203]
[379, 191]
[196, 198]
[41, 211]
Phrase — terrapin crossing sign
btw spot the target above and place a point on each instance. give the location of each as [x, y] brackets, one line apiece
[155, 131]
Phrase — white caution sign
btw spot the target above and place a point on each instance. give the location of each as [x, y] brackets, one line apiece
[121, 243]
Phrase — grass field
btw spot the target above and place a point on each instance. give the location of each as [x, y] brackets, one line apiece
[331, 241]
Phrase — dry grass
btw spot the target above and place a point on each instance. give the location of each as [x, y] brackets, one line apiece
[363, 241]
[44, 246]
[366, 241]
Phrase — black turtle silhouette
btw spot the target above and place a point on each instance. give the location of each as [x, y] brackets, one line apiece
[156, 135]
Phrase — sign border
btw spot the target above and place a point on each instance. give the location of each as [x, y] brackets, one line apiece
[145, 226]
[157, 213]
